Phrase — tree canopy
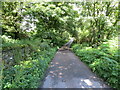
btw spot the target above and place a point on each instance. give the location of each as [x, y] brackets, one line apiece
[57, 21]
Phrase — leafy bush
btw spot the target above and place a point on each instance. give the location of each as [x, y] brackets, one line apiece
[8, 43]
[26, 72]
[103, 60]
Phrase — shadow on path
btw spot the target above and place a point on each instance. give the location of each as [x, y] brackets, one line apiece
[67, 71]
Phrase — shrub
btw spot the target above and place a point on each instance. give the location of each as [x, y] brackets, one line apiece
[28, 71]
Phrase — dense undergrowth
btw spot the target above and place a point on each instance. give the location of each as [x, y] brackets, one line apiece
[8, 43]
[27, 73]
[103, 60]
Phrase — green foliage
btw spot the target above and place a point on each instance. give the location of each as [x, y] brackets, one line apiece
[9, 43]
[50, 19]
[36, 27]
[30, 61]
[28, 73]
[11, 18]
[102, 60]
[57, 21]
[97, 22]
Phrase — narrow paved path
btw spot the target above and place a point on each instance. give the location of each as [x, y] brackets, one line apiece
[67, 71]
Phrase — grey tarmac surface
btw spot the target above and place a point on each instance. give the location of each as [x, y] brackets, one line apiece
[67, 71]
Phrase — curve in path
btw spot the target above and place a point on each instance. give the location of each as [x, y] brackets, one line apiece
[67, 71]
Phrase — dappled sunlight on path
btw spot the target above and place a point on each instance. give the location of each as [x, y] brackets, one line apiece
[67, 71]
